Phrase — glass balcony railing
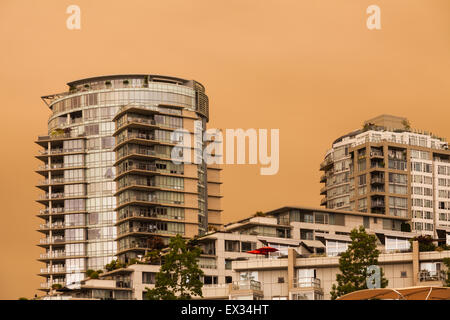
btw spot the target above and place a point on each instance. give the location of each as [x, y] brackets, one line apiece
[59, 210]
[147, 214]
[60, 195]
[53, 254]
[308, 282]
[60, 166]
[246, 285]
[53, 269]
[60, 151]
[55, 239]
[60, 180]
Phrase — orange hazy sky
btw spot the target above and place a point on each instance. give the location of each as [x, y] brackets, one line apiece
[309, 68]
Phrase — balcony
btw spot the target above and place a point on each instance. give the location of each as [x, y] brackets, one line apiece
[60, 181]
[323, 201]
[58, 211]
[53, 255]
[306, 283]
[376, 154]
[323, 178]
[246, 285]
[53, 269]
[377, 180]
[323, 190]
[377, 189]
[61, 136]
[147, 214]
[50, 240]
[59, 166]
[377, 204]
[58, 151]
[326, 164]
[48, 285]
[53, 226]
[59, 195]
[429, 276]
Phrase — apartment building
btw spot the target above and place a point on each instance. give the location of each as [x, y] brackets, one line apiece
[309, 242]
[108, 183]
[390, 169]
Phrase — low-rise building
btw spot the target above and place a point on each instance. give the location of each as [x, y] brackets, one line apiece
[308, 242]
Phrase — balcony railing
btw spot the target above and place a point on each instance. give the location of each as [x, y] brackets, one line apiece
[150, 137]
[376, 153]
[153, 198]
[58, 210]
[48, 240]
[426, 275]
[60, 151]
[60, 180]
[153, 229]
[54, 254]
[147, 214]
[377, 179]
[55, 225]
[59, 195]
[53, 269]
[307, 282]
[246, 285]
[60, 166]
[124, 284]
[374, 204]
[48, 285]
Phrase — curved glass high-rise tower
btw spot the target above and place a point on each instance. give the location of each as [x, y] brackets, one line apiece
[109, 184]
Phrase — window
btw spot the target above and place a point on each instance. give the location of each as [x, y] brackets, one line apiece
[306, 234]
[231, 246]
[210, 280]
[228, 263]
[307, 217]
[321, 217]
[362, 180]
[334, 248]
[247, 246]
[393, 244]
[366, 222]
[148, 277]
[248, 275]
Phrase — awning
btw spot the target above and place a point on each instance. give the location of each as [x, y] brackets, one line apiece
[396, 234]
[411, 293]
[291, 242]
[313, 243]
[337, 237]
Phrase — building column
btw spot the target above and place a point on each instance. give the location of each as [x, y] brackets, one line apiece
[292, 256]
[415, 261]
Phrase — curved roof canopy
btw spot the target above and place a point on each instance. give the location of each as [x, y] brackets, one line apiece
[411, 293]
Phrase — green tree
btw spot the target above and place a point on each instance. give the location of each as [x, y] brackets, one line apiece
[114, 264]
[353, 263]
[425, 243]
[93, 274]
[179, 275]
[446, 262]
